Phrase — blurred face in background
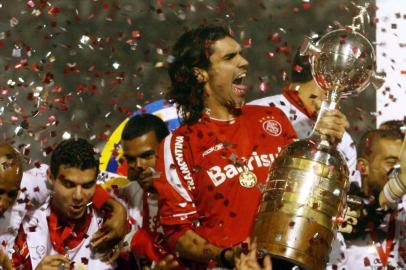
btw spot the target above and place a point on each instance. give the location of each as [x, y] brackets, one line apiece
[384, 155]
[10, 177]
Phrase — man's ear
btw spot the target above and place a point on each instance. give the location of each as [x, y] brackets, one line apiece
[201, 75]
[50, 179]
[363, 166]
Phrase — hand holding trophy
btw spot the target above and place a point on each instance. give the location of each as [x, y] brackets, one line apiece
[307, 183]
[395, 188]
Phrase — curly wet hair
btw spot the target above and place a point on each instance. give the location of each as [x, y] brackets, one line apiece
[192, 50]
[74, 153]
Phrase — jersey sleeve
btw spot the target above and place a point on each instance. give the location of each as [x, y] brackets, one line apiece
[349, 151]
[175, 199]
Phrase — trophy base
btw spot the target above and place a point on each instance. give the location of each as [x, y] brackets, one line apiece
[304, 243]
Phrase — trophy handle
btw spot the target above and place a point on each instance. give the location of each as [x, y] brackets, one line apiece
[308, 48]
[378, 79]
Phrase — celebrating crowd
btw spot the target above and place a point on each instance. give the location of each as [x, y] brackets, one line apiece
[190, 197]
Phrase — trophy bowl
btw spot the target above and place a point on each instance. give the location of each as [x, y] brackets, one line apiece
[345, 62]
[307, 184]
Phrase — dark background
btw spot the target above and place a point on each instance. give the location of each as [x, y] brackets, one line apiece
[80, 67]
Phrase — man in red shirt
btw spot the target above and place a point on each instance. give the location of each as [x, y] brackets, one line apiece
[140, 139]
[214, 166]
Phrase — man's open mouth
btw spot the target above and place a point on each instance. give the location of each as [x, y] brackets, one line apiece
[77, 208]
[238, 84]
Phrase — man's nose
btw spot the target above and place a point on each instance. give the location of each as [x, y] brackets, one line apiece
[140, 163]
[243, 62]
[78, 193]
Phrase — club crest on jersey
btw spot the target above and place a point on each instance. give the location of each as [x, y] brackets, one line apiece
[272, 127]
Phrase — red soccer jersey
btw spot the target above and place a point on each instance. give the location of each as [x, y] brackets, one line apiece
[200, 164]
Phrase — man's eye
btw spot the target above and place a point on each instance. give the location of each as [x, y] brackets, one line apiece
[130, 159]
[88, 185]
[149, 156]
[229, 57]
[68, 184]
[13, 194]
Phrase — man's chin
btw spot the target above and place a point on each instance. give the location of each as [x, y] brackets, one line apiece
[75, 215]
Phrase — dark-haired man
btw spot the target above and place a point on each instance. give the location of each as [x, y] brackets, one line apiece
[33, 191]
[213, 168]
[378, 240]
[140, 139]
[57, 234]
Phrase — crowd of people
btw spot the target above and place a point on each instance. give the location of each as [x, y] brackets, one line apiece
[190, 197]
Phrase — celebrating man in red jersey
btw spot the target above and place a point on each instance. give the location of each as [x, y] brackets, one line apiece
[214, 166]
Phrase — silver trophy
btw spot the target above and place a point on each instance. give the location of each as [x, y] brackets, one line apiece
[307, 184]
[343, 64]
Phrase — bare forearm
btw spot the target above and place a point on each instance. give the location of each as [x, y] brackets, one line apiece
[394, 189]
[194, 247]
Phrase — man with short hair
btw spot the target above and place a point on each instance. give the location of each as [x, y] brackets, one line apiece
[140, 139]
[57, 234]
[214, 166]
[32, 192]
[378, 239]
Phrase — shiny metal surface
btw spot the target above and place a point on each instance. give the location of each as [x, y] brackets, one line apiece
[307, 183]
[306, 187]
[346, 62]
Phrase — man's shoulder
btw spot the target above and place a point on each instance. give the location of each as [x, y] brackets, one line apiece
[267, 101]
[190, 131]
[260, 111]
[34, 183]
[38, 172]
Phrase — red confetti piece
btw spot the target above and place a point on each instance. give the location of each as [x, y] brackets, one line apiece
[247, 43]
[276, 38]
[30, 4]
[136, 34]
[54, 10]
[84, 260]
[306, 5]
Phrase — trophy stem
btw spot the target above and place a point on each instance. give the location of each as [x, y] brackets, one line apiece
[330, 103]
